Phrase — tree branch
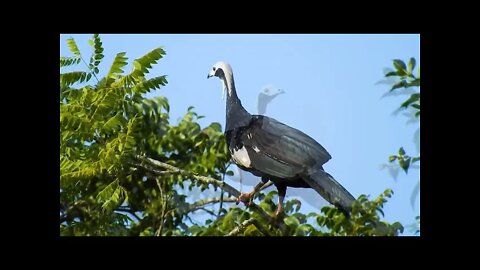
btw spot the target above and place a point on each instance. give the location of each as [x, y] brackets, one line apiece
[164, 205]
[171, 168]
[242, 227]
[202, 203]
[130, 211]
[153, 165]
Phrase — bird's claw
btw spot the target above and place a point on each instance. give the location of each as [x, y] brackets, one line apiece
[278, 214]
[246, 198]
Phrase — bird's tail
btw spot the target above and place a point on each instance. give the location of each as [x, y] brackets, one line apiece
[331, 190]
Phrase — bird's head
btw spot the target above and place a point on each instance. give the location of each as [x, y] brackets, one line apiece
[271, 91]
[267, 94]
[220, 69]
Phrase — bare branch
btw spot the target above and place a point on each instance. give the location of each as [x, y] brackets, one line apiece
[202, 203]
[204, 179]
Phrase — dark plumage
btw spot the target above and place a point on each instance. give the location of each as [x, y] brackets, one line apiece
[274, 151]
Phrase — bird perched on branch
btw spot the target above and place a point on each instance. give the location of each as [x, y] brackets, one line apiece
[274, 151]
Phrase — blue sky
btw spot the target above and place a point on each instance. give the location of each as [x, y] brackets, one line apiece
[332, 94]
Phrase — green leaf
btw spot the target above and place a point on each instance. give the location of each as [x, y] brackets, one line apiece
[400, 84]
[417, 114]
[149, 85]
[392, 73]
[416, 106]
[69, 61]
[415, 82]
[304, 230]
[392, 158]
[291, 221]
[143, 64]
[379, 209]
[69, 78]
[118, 63]
[399, 65]
[415, 159]
[411, 65]
[404, 163]
[113, 123]
[413, 98]
[72, 45]
[401, 151]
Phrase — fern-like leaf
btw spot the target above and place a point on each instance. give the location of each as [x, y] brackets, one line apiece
[69, 61]
[72, 45]
[119, 62]
[140, 67]
[73, 171]
[144, 63]
[112, 195]
[109, 193]
[114, 123]
[69, 78]
[97, 55]
[149, 85]
[152, 106]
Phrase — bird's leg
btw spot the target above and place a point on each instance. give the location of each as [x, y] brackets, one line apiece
[282, 191]
[246, 198]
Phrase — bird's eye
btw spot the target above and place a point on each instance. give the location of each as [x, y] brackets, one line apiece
[214, 68]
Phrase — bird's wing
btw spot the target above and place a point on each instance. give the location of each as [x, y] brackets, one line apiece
[280, 150]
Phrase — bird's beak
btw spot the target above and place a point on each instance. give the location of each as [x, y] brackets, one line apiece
[211, 73]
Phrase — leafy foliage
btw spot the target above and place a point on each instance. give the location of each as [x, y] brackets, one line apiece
[364, 220]
[407, 80]
[105, 190]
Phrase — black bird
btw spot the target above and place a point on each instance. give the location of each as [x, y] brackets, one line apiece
[265, 96]
[274, 151]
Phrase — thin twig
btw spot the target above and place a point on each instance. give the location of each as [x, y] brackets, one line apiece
[91, 71]
[155, 163]
[204, 179]
[208, 211]
[131, 212]
[164, 204]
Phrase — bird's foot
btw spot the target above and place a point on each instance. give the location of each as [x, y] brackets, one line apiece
[278, 214]
[246, 198]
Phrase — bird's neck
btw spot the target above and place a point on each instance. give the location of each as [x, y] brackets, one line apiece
[263, 100]
[236, 115]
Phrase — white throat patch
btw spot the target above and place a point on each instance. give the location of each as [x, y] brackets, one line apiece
[241, 157]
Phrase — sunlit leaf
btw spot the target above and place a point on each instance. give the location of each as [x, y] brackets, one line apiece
[411, 65]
